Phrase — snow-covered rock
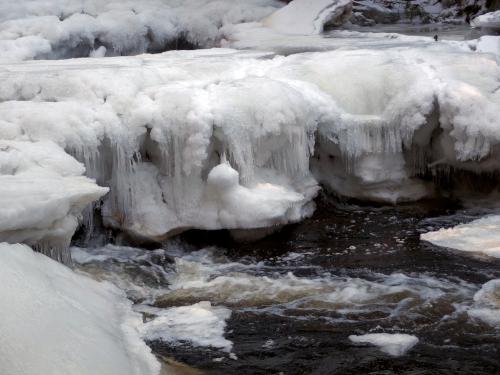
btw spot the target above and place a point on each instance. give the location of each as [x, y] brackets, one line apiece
[309, 16]
[480, 236]
[489, 21]
[57, 322]
[395, 344]
[42, 195]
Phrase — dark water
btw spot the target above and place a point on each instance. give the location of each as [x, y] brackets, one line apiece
[356, 270]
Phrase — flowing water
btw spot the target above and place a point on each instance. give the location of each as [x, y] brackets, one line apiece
[288, 304]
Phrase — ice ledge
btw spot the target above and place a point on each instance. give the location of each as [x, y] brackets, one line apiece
[42, 195]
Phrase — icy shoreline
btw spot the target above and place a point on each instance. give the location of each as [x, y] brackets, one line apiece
[153, 128]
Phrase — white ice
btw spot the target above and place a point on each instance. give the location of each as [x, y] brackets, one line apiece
[489, 20]
[58, 322]
[480, 236]
[395, 344]
[486, 306]
[42, 194]
[153, 127]
[200, 324]
[309, 16]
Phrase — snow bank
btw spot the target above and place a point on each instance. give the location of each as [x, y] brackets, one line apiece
[57, 322]
[42, 195]
[479, 236]
[200, 324]
[74, 28]
[489, 20]
[395, 344]
[487, 304]
[309, 16]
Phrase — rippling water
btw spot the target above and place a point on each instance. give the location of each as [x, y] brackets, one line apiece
[288, 303]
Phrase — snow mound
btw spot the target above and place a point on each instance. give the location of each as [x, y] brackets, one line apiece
[57, 322]
[487, 304]
[200, 324]
[309, 16]
[42, 195]
[80, 28]
[489, 20]
[395, 344]
[242, 207]
[479, 236]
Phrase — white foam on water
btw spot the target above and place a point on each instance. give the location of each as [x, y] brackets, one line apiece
[204, 276]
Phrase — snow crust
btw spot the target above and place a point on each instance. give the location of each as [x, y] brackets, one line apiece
[55, 321]
[479, 236]
[395, 344]
[200, 324]
[42, 195]
[32, 29]
[309, 16]
[489, 20]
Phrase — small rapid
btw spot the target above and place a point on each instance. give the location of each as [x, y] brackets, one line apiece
[349, 271]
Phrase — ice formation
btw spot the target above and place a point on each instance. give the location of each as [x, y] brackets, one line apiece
[55, 321]
[217, 138]
[74, 28]
[480, 236]
[486, 306]
[200, 324]
[42, 194]
[395, 344]
[309, 16]
[156, 129]
[489, 20]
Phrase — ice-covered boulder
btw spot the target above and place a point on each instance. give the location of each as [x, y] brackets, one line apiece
[58, 322]
[488, 21]
[42, 195]
[309, 16]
